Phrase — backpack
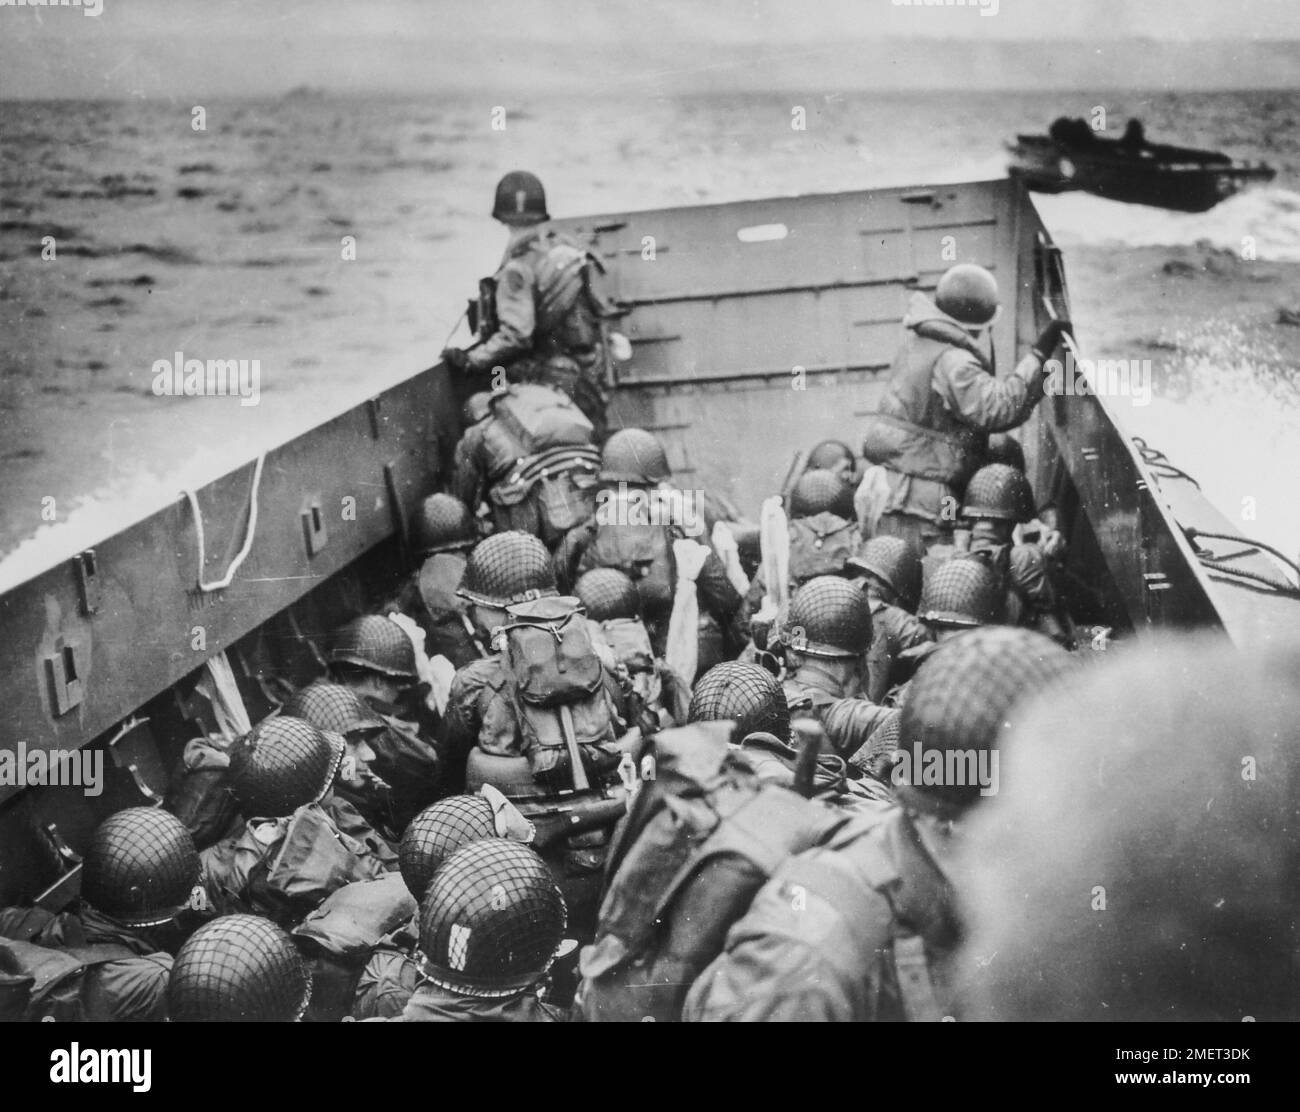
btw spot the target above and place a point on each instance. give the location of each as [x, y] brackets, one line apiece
[629, 642]
[548, 494]
[541, 418]
[819, 545]
[700, 841]
[625, 539]
[556, 685]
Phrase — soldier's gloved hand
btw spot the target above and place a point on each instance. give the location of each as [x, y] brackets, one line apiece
[1050, 338]
[455, 358]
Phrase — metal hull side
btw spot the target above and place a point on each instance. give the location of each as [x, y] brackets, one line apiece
[150, 626]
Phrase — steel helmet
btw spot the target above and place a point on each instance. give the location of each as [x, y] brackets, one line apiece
[998, 490]
[606, 593]
[491, 920]
[443, 523]
[376, 644]
[332, 707]
[507, 568]
[520, 199]
[141, 867]
[238, 968]
[818, 492]
[437, 832]
[961, 591]
[961, 699]
[829, 454]
[634, 456]
[746, 692]
[1006, 449]
[968, 293]
[830, 617]
[896, 562]
[282, 764]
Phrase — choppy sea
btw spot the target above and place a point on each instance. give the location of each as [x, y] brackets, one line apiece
[226, 243]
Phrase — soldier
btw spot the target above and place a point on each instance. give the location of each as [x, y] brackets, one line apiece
[942, 401]
[138, 876]
[491, 923]
[299, 841]
[442, 534]
[531, 458]
[1140, 864]
[891, 573]
[826, 636]
[635, 529]
[335, 709]
[374, 657]
[866, 927]
[959, 593]
[657, 697]
[822, 534]
[998, 498]
[363, 937]
[835, 456]
[238, 969]
[541, 316]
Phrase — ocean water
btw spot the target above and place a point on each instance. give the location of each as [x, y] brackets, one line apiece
[227, 243]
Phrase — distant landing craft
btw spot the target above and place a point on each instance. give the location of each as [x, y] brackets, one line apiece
[1072, 156]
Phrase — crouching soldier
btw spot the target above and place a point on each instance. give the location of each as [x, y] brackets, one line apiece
[998, 498]
[866, 926]
[108, 960]
[299, 841]
[491, 924]
[542, 719]
[442, 534]
[826, 637]
[891, 575]
[362, 939]
[657, 697]
[238, 969]
[646, 531]
[374, 657]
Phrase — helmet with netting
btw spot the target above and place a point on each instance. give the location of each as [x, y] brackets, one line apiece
[896, 562]
[443, 523]
[491, 920]
[746, 692]
[238, 968]
[830, 454]
[332, 707]
[141, 867]
[960, 592]
[998, 491]
[606, 593]
[961, 699]
[829, 616]
[507, 568]
[437, 832]
[282, 764]
[818, 492]
[634, 456]
[376, 644]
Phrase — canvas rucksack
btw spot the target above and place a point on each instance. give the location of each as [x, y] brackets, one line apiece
[699, 842]
[556, 685]
[627, 539]
[819, 545]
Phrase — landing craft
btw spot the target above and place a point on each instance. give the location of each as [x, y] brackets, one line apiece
[745, 347]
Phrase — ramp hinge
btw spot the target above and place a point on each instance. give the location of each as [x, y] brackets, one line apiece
[87, 570]
[62, 674]
[314, 534]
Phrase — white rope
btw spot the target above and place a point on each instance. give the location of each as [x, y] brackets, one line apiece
[249, 533]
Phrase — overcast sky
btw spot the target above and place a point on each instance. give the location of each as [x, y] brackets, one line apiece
[177, 47]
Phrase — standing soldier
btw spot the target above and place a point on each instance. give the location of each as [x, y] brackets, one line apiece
[540, 316]
[942, 401]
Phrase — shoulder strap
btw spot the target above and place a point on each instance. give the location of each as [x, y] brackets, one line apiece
[503, 412]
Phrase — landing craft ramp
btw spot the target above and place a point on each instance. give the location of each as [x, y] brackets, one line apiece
[758, 327]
